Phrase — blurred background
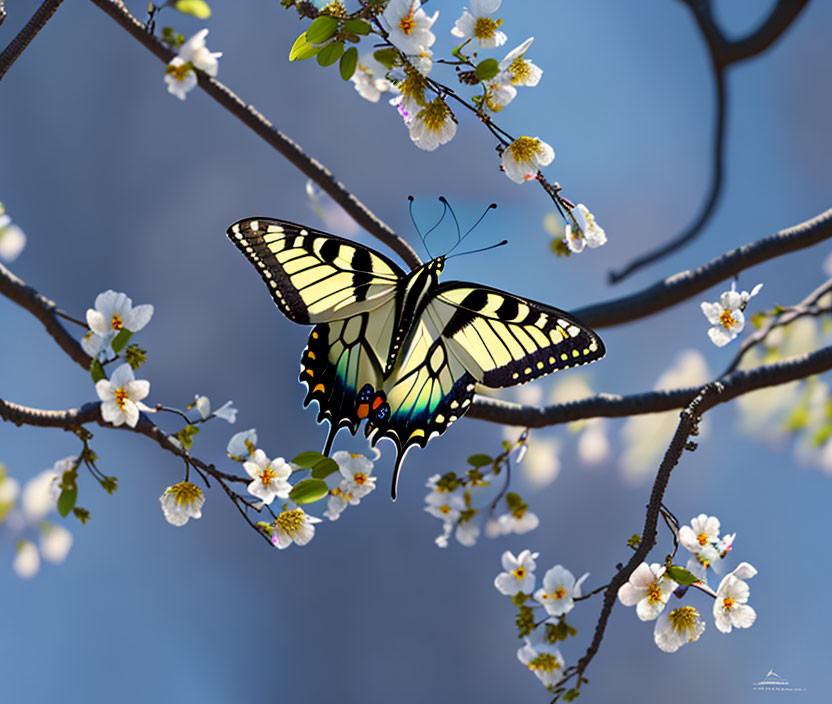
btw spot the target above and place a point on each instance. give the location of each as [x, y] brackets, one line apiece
[120, 185]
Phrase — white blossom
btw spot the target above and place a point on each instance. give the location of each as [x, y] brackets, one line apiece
[648, 589]
[55, 542]
[559, 591]
[337, 502]
[370, 79]
[112, 313]
[498, 95]
[180, 76]
[433, 125]
[295, 526]
[726, 317]
[542, 657]
[269, 477]
[516, 70]
[477, 23]
[12, 238]
[582, 230]
[731, 609]
[121, 397]
[519, 573]
[703, 530]
[227, 412]
[40, 494]
[181, 502]
[467, 533]
[593, 445]
[518, 521]
[408, 25]
[203, 405]
[356, 471]
[242, 445]
[524, 157]
[679, 626]
[447, 506]
[26, 560]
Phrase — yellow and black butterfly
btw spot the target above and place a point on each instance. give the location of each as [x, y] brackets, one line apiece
[401, 350]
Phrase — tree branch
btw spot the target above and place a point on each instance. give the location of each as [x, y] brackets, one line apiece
[27, 34]
[722, 53]
[685, 284]
[255, 121]
[613, 406]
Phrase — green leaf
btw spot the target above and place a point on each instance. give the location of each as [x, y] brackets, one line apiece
[321, 29]
[349, 62]
[487, 69]
[302, 49]
[308, 490]
[197, 8]
[457, 52]
[97, 371]
[330, 53]
[120, 341]
[681, 576]
[480, 460]
[324, 468]
[758, 320]
[571, 695]
[305, 460]
[66, 501]
[513, 501]
[357, 26]
[386, 57]
[186, 436]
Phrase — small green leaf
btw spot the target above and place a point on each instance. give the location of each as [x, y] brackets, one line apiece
[81, 514]
[186, 436]
[305, 460]
[324, 468]
[386, 57]
[308, 490]
[349, 62]
[487, 69]
[357, 26]
[457, 52]
[120, 341]
[681, 576]
[97, 371]
[571, 695]
[480, 460]
[66, 501]
[758, 320]
[330, 53]
[321, 29]
[514, 501]
[302, 49]
[197, 8]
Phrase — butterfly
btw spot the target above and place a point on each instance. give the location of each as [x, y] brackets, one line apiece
[400, 350]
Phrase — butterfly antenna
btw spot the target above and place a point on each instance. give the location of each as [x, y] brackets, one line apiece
[453, 215]
[481, 249]
[416, 227]
[492, 206]
[438, 222]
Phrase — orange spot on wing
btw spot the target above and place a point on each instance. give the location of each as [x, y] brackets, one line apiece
[377, 401]
[363, 410]
[319, 387]
[310, 354]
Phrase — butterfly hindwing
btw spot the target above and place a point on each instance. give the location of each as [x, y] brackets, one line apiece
[312, 276]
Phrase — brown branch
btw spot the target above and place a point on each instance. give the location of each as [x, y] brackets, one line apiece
[613, 406]
[27, 34]
[722, 53]
[255, 121]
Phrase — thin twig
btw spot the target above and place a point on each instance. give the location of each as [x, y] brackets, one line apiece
[255, 121]
[17, 45]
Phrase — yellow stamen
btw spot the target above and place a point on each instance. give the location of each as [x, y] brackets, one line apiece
[726, 319]
[117, 323]
[560, 592]
[179, 72]
[654, 593]
[546, 662]
[524, 149]
[407, 24]
[359, 478]
[290, 522]
[702, 538]
[485, 27]
[185, 492]
[684, 618]
[728, 603]
[520, 572]
[267, 476]
[520, 69]
[121, 397]
[435, 114]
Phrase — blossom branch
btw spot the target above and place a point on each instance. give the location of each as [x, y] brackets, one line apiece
[722, 53]
[613, 406]
[27, 34]
[255, 121]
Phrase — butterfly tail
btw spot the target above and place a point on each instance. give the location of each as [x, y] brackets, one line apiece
[400, 455]
[330, 438]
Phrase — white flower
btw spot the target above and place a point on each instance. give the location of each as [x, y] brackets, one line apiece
[524, 157]
[442, 540]
[370, 79]
[498, 95]
[408, 25]
[113, 312]
[121, 397]
[445, 505]
[727, 317]
[55, 542]
[433, 125]
[337, 503]
[242, 445]
[542, 658]
[295, 526]
[26, 560]
[180, 76]
[519, 573]
[593, 445]
[203, 405]
[195, 51]
[423, 61]
[517, 70]
[227, 412]
[478, 23]
[730, 607]
[559, 591]
[356, 470]
[648, 589]
[519, 521]
[467, 533]
[269, 477]
[582, 230]
[40, 494]
[702, 531]
[680, 626]
[182, 502]
[12, 239]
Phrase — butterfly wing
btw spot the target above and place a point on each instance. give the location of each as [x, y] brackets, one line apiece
[347, 290]
[469, 334]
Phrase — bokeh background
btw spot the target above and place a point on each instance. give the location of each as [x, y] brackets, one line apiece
[119, 185]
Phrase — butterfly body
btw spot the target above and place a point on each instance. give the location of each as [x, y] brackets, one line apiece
[400, 351]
